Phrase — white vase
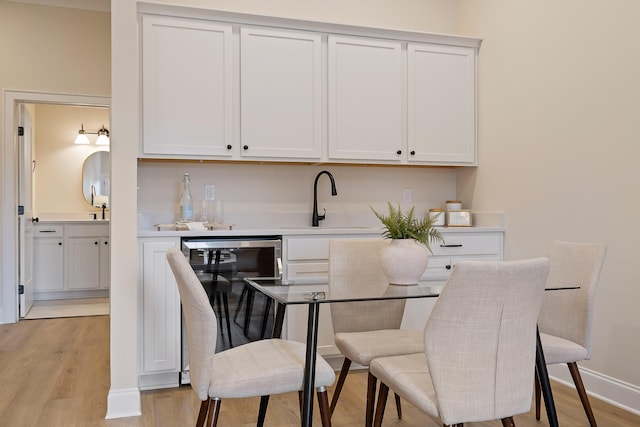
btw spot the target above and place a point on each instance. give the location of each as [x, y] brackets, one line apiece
[404, 261]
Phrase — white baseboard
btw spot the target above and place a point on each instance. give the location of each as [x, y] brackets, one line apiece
[611, 390]
[123, 403]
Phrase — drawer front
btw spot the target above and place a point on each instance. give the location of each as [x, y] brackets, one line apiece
[48, 231]
[89, 230]
[307, 270]
[440, 267]
[307, 249]
[469, 244]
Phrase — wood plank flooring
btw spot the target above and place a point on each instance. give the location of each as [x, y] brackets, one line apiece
[55, 373]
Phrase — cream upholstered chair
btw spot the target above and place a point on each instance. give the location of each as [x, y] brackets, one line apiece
[365, 330]
[566, 318]
[479, 346]
[260, 368]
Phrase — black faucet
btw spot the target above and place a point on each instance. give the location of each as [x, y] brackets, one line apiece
[315, 218]
[104, 206]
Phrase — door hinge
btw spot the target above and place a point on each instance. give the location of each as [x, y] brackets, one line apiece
[20, 210]
[20, 131]
[20, 289]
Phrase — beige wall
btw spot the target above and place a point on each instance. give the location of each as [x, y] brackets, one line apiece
[59, 162]
[46, 49]
[559, 145]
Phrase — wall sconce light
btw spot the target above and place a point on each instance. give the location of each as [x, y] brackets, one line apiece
[103, 136]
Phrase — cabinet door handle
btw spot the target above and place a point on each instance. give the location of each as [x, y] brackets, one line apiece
[106, 243]
[448, 266]
[451, 246]
[399, 152]
[229, 147]
[59, 243]
[413, 152]
[246, 147]
[95, 243]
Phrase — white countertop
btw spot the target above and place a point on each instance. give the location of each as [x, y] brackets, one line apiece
[290, 231]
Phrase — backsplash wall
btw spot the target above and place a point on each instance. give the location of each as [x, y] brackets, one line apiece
[262, 195]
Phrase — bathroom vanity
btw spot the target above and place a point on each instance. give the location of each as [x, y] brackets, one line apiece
[71, 259]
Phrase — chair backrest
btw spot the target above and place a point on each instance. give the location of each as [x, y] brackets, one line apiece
[569, 314]
[356, 262]
[480, 339]
[200, 321]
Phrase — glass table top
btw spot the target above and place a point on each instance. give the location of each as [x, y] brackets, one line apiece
[342, 290]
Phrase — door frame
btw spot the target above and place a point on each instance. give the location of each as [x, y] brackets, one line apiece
[9, 189]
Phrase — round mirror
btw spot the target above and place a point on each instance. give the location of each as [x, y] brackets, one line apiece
[95, 179]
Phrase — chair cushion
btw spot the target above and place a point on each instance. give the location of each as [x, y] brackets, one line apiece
[362, 347]
[559, 350]
[410, 377]
[263, 368]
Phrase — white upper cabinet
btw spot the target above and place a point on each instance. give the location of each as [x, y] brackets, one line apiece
[280, 93]
[249, 88]
[441, 93]
[365, 99]
[187, 88]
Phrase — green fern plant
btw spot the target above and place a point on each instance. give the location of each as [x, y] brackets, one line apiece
[399, 225]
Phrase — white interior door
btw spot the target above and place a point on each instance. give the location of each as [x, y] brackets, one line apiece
[25, 223]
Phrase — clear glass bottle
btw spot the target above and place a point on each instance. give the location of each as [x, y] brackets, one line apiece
[186, 201]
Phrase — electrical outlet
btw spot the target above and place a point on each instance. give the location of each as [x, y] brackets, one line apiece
[406, 195]
[209, 192]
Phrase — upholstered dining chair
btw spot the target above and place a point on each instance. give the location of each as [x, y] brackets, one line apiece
[365, 330]
[479, 346]
[260, 368]
[566, 317]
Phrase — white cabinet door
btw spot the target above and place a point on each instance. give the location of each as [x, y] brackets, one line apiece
[441, 92]
[48, 266]
[365, 99]
[280, 93]
[82, 256]
[160, 308]
[187, 87]
[105, 263]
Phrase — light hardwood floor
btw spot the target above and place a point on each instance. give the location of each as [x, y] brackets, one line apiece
[55, 373]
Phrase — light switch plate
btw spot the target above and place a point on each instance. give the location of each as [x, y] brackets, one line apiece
[209, 192]
[406, 195]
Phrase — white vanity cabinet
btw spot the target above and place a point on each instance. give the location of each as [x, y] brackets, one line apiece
[441, 104]
[71, 260]
[280, 94]
[159, 309]
[48, 258]
[365, 99]
[187, 88]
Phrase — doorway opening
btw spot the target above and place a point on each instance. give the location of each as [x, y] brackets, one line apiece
[44, 172]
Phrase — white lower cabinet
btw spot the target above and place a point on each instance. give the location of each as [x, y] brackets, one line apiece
[159, 310]
[70, 260]
[307, 257]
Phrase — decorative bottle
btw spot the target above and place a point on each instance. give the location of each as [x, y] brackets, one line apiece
[186, 201]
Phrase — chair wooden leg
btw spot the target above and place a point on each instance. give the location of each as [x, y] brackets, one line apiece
[508, 422]
[382, 401]
[323, 404]
[577, 380]
[538, 395]
[336, 392]
[372, 383]
[262, 412]
[214, 411]
[202, 415]
[398, 406]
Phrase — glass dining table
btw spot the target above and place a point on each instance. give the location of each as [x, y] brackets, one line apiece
[315, 292]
